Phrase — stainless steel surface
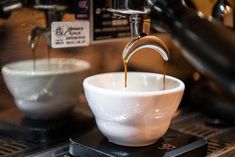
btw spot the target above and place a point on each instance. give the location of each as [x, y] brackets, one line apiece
[51, 7]
[128, 6]
[136, 24]
[137, 12]
[7, 6]
[224, 13]
[12, 7]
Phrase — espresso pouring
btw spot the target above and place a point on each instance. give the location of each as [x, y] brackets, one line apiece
[163, 71]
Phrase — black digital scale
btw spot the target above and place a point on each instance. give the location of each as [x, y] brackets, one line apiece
[87, 141]
[173, 143]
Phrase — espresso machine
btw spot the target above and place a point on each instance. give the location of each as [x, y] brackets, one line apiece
[203, 46]
[207, 45]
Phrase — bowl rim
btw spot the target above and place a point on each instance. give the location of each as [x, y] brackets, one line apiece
[179, 88]
[6, 69]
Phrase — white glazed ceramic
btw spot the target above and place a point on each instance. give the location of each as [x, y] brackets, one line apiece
[49, 91]
[137, 115]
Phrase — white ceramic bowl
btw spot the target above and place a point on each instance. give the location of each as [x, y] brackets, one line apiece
[49, 91]
[137, 115]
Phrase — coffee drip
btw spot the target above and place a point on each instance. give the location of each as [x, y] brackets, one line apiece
[164, 74]
[141, 42]
[34, 58]
[33, 40]
[125, 71]
[48, 57]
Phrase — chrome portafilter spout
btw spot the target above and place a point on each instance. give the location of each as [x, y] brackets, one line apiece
[139, 24]
[37, 32]
[52, 13]
[136, 11]
[34, 36]
[145, 41]
[53, 10]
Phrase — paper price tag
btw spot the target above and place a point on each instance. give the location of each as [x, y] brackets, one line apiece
[70, 34]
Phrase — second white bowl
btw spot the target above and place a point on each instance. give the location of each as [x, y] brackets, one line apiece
[49, 91]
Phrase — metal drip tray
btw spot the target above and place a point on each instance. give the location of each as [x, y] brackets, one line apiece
[10, 147]
[220, 135]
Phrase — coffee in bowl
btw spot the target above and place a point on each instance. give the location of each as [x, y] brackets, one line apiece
[136, 115]
[49, 91]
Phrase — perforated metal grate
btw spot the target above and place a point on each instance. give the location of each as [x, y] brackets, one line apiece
[218, 137]
[11, 147]
[215, 145]
[202, 130]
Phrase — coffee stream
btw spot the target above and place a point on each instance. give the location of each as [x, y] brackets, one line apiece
[48, 58]
[163, 71]
[142, 42]
[34, 58]
[125, 70]
[164, 74]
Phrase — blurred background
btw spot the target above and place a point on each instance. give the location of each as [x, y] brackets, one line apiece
[104, 56]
